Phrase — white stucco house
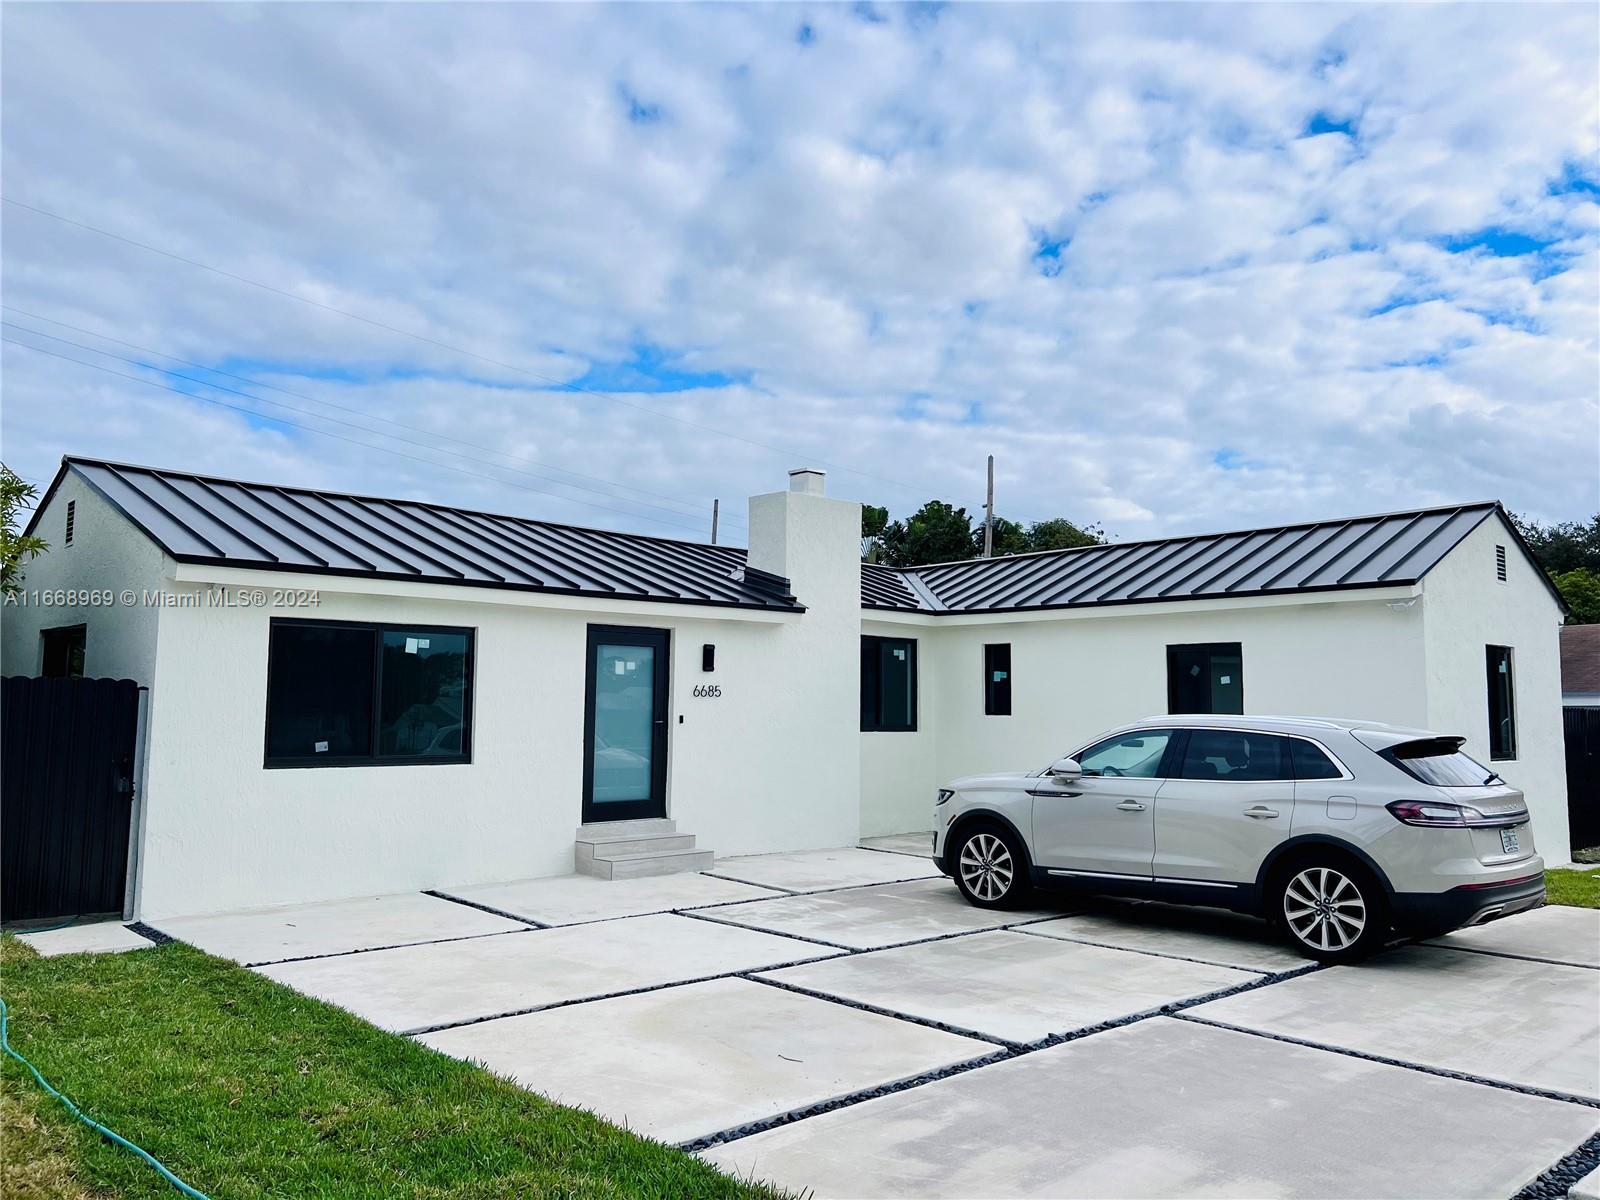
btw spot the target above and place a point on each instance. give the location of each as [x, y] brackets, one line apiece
[350, 695]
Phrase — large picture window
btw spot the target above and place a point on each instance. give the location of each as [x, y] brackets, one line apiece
[888, 685]
[1502, 704]
[342, 694]
[1207, 677]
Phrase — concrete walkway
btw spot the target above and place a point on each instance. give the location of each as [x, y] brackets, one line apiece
[839, 1022]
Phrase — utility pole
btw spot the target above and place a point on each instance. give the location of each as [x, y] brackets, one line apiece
[988, 515]
[715, 506]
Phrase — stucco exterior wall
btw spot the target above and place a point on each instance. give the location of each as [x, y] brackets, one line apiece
[107, 553]
[1075, 674]
[1466, 609]
[224, 832]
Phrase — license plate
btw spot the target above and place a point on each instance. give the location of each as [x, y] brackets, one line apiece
[1508, 841]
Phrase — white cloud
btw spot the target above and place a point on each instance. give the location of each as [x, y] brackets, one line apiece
[1233, 323]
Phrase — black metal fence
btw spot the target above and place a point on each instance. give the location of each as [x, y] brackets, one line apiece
[1582, 729]
[67, 751]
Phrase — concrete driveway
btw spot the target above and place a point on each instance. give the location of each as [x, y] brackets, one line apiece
[842, 1022]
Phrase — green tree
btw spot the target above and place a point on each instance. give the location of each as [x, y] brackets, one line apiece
[1581, 590]
[1009, 538]
[1563, 546]
[874, 521]
[16, 496]
[936, 532]
[1061, 534]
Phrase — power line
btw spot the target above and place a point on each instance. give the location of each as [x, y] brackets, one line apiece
[695, 507]
[562, 385]
[425, 445]
[260, 416]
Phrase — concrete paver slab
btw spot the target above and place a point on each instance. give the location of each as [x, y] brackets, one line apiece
[687, 1062]
[1507, 1019]
[102, 937]
[1165, 1108]
[417, 987]
[873, 917]
[1556, 932]
[568, 899]
[920, 844]
[1012, 986]
[813, 870]
[1222, 938]
[336, 927]
[1587, 1188]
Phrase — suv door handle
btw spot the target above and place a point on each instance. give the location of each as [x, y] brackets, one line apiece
[1261, 812]
[1134, 806]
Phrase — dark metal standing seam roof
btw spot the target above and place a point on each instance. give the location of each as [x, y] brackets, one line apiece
[1378, 551]
[202, 519]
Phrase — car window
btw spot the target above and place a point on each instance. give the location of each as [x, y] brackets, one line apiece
[1235, 756]
[1132, 754]
[1311, 763]
[1439, 761]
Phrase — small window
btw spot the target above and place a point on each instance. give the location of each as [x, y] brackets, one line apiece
[63, 652]
[1133, 755]
[888, 685]
[1500, 563]
[341, 694]
[1205, 678]
[1237, 757]
[72, 519]
[1502, 704]
[997, 680]
[1310, 762]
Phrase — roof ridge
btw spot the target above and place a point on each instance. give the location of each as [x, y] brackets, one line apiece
[76, 460]
[1219, 533]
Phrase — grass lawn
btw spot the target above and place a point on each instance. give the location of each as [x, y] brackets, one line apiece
[1581, 889]
[247, 1089]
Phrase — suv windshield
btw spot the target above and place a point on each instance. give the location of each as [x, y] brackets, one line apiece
[1439, 761]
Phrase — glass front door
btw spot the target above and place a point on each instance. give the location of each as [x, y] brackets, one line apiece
[625, 724]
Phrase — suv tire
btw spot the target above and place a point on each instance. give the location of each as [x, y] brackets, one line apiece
[1332, 910]
[990, 866]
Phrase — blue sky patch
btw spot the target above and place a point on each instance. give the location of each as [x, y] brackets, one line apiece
[1322, 122]
[1047, 252]
[651, 368]
[805, 35]
[640, 112]
[1498, 241]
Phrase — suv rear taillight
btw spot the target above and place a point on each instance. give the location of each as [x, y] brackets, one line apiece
[1437, 814]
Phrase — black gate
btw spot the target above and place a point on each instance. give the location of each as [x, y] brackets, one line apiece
[66, 795]
[1582, 729]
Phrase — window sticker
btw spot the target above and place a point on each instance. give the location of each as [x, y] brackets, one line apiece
[1227, 679]
[999, 677]
[321, 747]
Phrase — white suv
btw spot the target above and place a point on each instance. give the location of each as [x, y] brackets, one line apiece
[1337, 831]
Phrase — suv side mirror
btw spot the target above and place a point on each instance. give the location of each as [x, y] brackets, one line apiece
[1065, 768]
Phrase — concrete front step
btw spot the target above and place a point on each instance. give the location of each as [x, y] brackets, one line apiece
[600, 830]
[611, 847]
[656, 862]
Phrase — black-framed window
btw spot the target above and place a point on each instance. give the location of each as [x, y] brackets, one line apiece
[997, 679]
[1206, 677]
[349, 694]
[62, 651]
[1502, 703]
[888, 685]
[1311, 762]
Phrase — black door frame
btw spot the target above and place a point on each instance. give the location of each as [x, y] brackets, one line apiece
[656, 805]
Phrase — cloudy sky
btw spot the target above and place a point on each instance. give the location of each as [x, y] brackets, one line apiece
[1178, 267]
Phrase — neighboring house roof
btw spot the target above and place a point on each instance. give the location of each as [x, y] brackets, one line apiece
[1357, 552]
[203, 519]
[1580, 659]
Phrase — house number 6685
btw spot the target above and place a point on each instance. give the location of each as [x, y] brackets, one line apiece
[708, 691]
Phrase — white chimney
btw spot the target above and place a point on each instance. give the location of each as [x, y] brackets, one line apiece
[807, 480]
